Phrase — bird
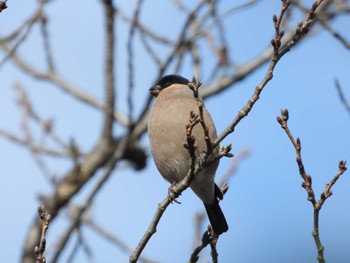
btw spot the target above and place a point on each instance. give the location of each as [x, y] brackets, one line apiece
[170, 114]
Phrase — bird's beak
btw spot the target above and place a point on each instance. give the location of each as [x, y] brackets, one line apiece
[155, 90]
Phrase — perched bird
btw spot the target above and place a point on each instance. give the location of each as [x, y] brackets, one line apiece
[167, 133]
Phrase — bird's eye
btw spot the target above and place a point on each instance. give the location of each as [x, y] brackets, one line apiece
[155, 90]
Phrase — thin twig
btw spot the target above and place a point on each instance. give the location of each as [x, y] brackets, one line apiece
[222, 183]
[113, 238]
[334, 33]
[80, 243]
[45, 221]
[20, 41]
[214, 252]
[150, 50]
[57, 80]
[77, 217]
[302, 29]
[219, 18]
[166, 62]
[307, 183]
[24, 29]
[194, 85]
[219, 85]
[323, 21]
[33, 146]
[131, 58]
[109, 71]
[47, 45]
[206, 240]
[342, 95]
[46, 125]
[76, 220]
[143, 29]
[232, 170]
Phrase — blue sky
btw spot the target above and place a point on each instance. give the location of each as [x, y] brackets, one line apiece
[269, 217]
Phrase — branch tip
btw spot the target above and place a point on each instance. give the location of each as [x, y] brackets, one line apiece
[274, 18]
[3, 5]
[285, 114]
[342, 165]
[45, 220]
[279, 119]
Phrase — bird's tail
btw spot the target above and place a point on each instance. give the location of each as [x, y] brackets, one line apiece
[216, 218]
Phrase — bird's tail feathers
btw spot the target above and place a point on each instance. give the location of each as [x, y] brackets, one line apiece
[216, 218]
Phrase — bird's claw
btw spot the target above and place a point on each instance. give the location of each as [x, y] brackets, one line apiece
[171, 194]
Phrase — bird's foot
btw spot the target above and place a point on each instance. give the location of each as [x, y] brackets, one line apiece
[171, 194]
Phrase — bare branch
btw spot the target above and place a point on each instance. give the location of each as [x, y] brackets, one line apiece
[77, 217]
[33, 146]
[223, 180]
[23, 29]
[14, 48]
[80, 242]
[206, 240]
[342, 96]
[113, 238]
[131, 59]
[45, 220]
[307, 183]
[142, 28]
[214, 253]
[142, 119]
[194, 85]
[109, 71]
[75, 179]
[334, 33]
[47, 44]
[219, 85]
[301, 30]
[327, 191]
[58, 81]
[323, 17]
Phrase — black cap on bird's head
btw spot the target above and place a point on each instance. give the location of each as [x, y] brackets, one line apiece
[167, 81]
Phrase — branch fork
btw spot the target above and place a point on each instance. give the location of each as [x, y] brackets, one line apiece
[307, 183]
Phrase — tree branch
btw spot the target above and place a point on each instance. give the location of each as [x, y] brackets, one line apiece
[307, 183]
[45, 221]
[207, 238]
[55, 79]
[278, 53]
[109, 71]
[342, 96]
[77, 216]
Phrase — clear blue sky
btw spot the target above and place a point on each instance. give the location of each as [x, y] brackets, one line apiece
[269, 217]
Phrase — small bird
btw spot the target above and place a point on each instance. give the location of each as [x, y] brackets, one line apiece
[167, 134]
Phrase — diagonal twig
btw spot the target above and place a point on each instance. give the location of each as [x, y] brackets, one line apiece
[278, 53]
[342, 95]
